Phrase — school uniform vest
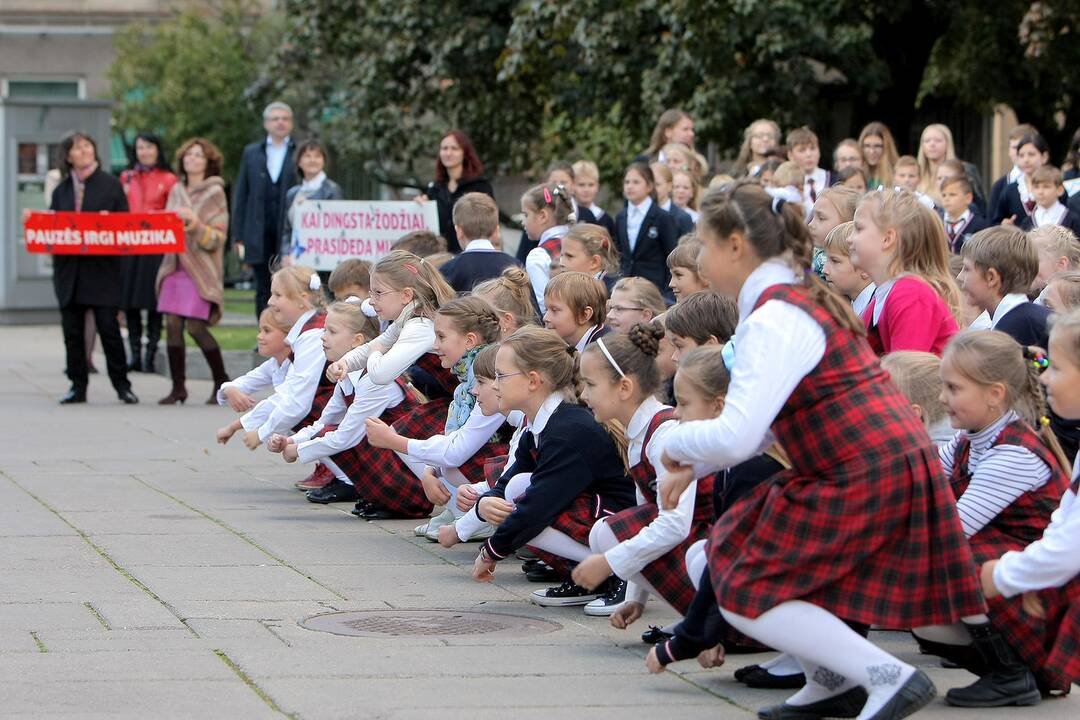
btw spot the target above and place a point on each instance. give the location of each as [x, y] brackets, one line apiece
[325, 389]
[1024, 520]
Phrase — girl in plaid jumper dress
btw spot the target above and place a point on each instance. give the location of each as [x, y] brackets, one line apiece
[334, 438]
[405, 291]
[1046, 573]
[441, 464]
[296, 299]
[863, 510]
[643, 545]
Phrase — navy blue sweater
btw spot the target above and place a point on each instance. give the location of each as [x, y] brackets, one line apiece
[576, 456]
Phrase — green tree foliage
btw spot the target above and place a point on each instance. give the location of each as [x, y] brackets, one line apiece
[530, 80]
[189, 75]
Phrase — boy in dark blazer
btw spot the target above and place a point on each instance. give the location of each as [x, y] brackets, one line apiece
[91, 282]
[1048, 189]
[644, 233]
[267, 171]
[476, 222]
[1000, 264]
[959, 215]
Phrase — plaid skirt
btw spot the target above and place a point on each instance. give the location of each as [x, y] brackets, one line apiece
[1049, 647]
[378, 473]
[576, 521]
[882, 548]
[667, 573]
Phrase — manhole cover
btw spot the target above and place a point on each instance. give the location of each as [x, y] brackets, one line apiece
[383, 623]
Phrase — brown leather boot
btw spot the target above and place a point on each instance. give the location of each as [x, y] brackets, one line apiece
[177, 367]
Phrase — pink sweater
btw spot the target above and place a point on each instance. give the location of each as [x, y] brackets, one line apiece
[914, 318]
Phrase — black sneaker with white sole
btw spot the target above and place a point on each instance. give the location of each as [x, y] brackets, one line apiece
[610, 601]
[566, 595]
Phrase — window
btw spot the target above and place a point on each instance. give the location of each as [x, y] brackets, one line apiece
[43, 89]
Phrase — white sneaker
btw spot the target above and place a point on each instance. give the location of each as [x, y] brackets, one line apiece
[482, 534]
[432, 526]
[610, 601]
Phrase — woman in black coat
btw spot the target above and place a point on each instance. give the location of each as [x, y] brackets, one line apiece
[457, 171]
[91, 282]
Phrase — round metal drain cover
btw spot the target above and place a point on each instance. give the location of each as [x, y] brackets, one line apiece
[389, 623]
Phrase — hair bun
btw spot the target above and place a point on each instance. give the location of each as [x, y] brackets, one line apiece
[646, 337]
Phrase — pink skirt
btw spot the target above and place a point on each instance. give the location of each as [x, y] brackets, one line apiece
[179, 296]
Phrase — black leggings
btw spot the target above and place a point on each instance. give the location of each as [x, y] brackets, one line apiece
[174, 332]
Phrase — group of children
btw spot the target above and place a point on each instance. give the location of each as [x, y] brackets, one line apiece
[721, 427]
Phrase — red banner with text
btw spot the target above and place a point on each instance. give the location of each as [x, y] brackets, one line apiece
[90, 233]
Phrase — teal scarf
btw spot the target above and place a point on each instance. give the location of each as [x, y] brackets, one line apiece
[462, 404]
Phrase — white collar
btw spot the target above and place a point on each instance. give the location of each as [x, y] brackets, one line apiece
[597, 211]
[819, 176]
[881, 293]
[1052, 215]
[773, 271]
[666, 206]
[1007, 303]
[580, 346]
[982, 440]
[639, 422]
[964, 217]
[547, 409]
[284, 143]
[863, 299]
[314, 184]
[480, 245]
[551, 232]
[298, 327]
[644, 206]
[1015, 173]
[982, 322]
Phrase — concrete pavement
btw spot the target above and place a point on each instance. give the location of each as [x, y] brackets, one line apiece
[146, 571]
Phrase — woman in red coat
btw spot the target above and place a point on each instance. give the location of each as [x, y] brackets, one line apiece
[147, 184]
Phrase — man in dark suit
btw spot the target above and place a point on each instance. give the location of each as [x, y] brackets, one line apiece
[267, 171]
[91, 282]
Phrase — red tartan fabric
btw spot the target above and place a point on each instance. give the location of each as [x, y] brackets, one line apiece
[864, 525]
[1014, 528]
[430, 363]
[379, 475]
[494, 466]
[475, 468]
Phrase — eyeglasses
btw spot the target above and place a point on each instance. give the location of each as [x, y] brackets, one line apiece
[623, 308]
[499, 377]
[379, 293]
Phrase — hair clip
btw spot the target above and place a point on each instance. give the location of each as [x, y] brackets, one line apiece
[315, 282]
[547, 196]
[1037, 358]
[777, 204]
[412, 268]
[1044, 421]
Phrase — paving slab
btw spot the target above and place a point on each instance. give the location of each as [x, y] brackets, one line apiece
[149, 572]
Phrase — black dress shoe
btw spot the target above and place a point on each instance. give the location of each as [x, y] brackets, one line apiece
[332, 492]
[845, 705]
[372, 511]
[127, 397]
[73, 397]
[655, 635]
[756, 676]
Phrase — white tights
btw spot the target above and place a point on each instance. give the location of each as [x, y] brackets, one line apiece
[834, 657]
[602, 539]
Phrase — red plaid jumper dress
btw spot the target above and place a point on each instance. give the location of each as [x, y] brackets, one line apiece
[325, 389]
[667, 574]
[864, 525]
[1014, 528]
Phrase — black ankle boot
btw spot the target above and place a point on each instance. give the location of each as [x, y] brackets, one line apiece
[1008, 682]
[965, 656]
